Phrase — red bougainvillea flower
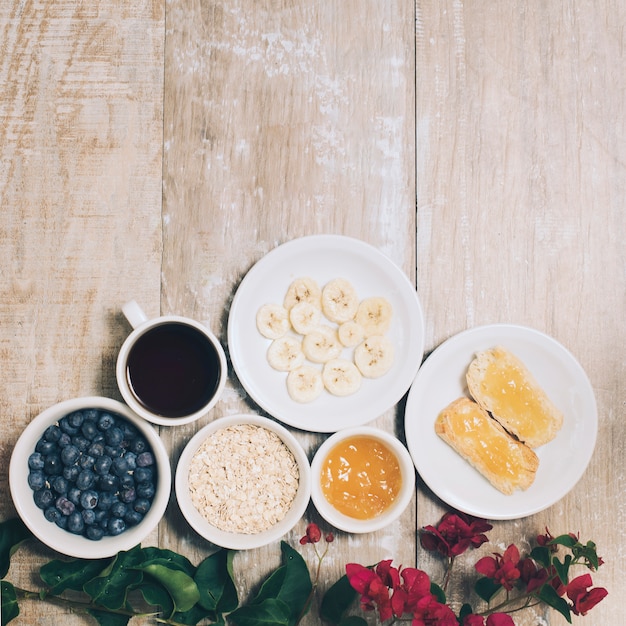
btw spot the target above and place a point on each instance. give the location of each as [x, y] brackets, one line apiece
[329, 538]
[531, 575]
[390, 576]
[496, 619]
[454, 534]
[583, 598]
[313, 534]
[374, 593]
[429, 611]
[502, 568]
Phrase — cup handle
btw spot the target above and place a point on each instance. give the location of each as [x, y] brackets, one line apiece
[134, 314]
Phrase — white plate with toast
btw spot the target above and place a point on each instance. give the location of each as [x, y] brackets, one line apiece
[324, 258]
[562, 461]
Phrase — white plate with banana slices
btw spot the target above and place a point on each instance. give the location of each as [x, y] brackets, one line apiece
[325, 332]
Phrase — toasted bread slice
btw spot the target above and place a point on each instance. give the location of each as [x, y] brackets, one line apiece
[502, 385]
[506, 463]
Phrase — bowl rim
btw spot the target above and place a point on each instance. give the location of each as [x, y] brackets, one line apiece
[240, 541]
[62, 540]
[351, 524]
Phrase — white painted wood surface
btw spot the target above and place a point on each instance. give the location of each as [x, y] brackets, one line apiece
[156, 150]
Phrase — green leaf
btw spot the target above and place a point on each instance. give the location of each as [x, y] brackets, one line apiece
[214, 578]
[12, 533]
[541, 555]
[548, 594]
[179, 584]
[563, 540]
[195, 614]
[562, 569]
[438, 592]
[170, 559]
[337, 600]
[486, 588]
[61, 575]
[466, 610]
[111, 586]
[105, 618]
[157, 596]
[270, 612]
[353, 620]
[10, 608]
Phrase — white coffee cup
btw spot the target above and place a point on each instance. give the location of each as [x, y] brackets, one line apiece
[170, 370]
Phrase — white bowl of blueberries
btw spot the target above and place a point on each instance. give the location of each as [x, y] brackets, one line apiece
[89, 477]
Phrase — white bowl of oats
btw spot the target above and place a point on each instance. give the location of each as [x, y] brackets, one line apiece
[243, 481]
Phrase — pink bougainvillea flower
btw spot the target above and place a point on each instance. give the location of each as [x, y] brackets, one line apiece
[502, 568]
[584, 599]
[429, 611]
[531, 575]
[374, 593]
[389, 575]
[313, 534]
[496, 619]
[454, 534]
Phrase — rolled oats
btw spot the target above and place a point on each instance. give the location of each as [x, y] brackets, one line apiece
[243, 479]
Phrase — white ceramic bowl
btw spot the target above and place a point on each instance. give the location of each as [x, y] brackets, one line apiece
[351, 524]
[49, 533]
[235, 540]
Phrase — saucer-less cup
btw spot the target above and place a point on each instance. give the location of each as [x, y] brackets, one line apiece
[170, 370]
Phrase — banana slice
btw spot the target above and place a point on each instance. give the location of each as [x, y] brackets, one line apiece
[321, 345]
[304, 317]
[339, 300]
[303, 289]
[285, 353]
[374, 314]
[305, 383]
[341, 377]
[350, 333]
[374, 357]
[272, 320]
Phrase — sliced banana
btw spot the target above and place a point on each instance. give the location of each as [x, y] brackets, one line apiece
[374, 357]
[305, 383]
[285, 353]
[350, 333]
[341, 377]
[374, 314]
[339, 300]
[321, 345]
[305, 317]
[303, 289]
[272, 320]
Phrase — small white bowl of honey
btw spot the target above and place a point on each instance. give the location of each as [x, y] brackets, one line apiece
[363, 478]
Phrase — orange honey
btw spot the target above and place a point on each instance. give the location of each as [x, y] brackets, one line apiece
[361, 477]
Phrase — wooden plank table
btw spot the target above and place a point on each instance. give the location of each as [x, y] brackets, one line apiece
[156, 151]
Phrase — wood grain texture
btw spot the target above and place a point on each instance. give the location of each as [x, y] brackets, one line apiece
[157, 150]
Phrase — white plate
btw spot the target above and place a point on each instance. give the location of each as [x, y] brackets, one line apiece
[562, 461]
[324, 257]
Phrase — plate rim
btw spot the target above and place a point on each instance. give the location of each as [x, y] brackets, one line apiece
[336, 242]
[431, 361]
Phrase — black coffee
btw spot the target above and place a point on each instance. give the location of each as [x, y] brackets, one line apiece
[173, 370]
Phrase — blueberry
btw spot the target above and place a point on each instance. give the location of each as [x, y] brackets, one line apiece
[139, 445]
[89, 429]
[132, 517]
[108, 482]
[106, 421]
[86, 461]
[127, 481]
[53, 465]
[141, 505]
[36, 479]
[145, 490]
[52, 433]
[143, 474]
[66, 426]
[35, 461]
[128, 495]
[89, 499]
[120, 466]
[76, 419]
[114, 436]
[118, 509]
[71, 473]
[91, 415]
[52, 514]
[100, 516]
[116, 526]
[43, 498]
[64, 440]
[74, 494]
[82, 443]
[94, 533]
[61, 521]
[60, 485]
[129, 430]
[113, 451]
[96, 448]
[70, 454]
[102, 465]
[105, 500]
[89, 516]
[46, 447]
[145, 459]
[131, 459]
[65, 506]
[75, 523]
[85, 480]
